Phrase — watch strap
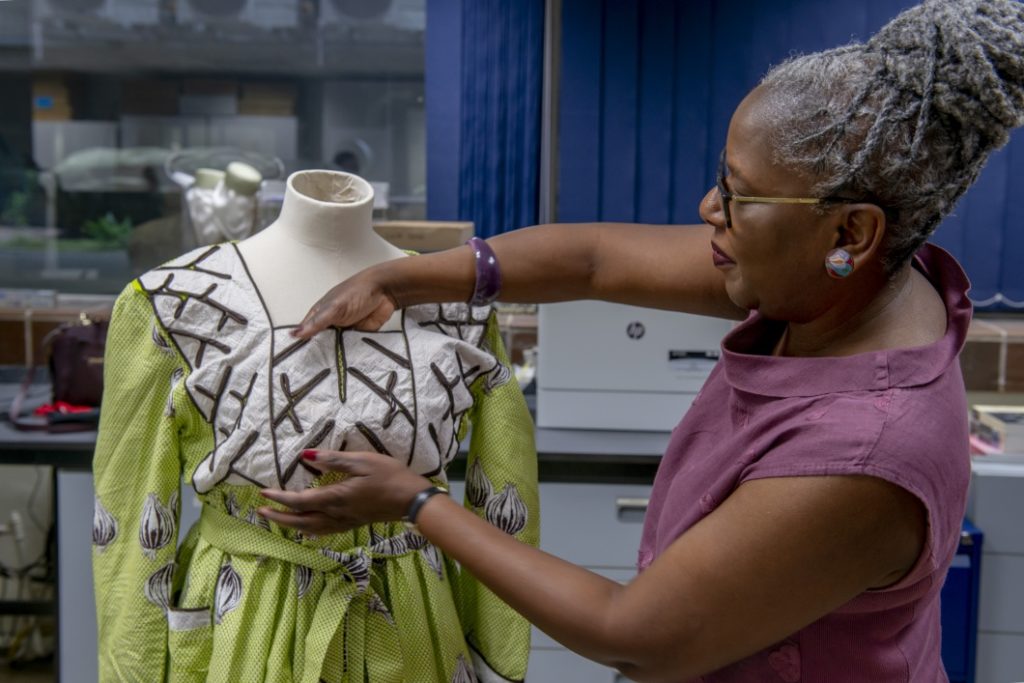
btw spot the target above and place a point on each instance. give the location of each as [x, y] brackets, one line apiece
[417, 504]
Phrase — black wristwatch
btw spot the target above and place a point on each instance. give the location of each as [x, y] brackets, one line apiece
[417, 504]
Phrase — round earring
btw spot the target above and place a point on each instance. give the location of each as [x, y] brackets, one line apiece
[839, 264]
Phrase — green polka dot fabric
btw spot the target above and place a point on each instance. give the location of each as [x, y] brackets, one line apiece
[200, 386]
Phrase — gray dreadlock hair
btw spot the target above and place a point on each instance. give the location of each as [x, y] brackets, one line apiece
[907, 119]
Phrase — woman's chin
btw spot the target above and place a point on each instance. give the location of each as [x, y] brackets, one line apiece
[740, 296]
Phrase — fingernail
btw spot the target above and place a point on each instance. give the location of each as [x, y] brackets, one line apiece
[296, 332]
[309, 454]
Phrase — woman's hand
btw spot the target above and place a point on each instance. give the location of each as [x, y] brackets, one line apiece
[360, 302]
[378, 489]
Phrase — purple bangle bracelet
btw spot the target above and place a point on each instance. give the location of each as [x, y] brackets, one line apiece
[488, 274]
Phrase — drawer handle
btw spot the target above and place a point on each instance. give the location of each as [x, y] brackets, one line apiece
[631, 509]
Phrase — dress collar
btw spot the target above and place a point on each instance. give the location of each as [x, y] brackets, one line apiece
[748, 370]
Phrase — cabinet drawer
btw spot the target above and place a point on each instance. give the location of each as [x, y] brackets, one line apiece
[562, 666]
[1000, 658]
[1002, 595]
[593, 525]
[996, 506]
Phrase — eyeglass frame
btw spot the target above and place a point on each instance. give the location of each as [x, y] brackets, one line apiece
[726, 196]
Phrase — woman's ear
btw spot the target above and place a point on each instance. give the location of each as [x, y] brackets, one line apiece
[861, 231]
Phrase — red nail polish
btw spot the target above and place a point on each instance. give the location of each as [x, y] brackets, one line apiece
[309, 455]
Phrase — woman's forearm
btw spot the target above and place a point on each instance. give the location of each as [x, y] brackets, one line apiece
[667, 267]
[539, 264]
[569, 603]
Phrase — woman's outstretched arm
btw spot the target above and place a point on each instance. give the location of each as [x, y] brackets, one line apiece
[668, 267]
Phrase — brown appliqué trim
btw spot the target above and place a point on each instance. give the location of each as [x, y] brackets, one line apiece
[386, 394]
[294, 398]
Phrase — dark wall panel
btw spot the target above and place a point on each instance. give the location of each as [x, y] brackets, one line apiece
[581, 110]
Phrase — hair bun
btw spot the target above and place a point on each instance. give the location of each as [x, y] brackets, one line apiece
[964, 58]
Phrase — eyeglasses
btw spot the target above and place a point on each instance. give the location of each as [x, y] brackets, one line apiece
[728, 197]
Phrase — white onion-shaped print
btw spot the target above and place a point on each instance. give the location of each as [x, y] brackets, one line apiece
[376, 605]
[333, 554]
[432, 555]
[357, 565]
[158, 586]
[159, 340]
[257, 519]
[414, 540]
[104, 526]
[507, 511]
[175, 378]
[497, 377]
[303, 579]
[156, 528]
[390, 546]
[229, 591]
[478, 486]
[231, 505]
[463, 672]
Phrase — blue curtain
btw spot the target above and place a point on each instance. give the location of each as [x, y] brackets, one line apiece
[648, 87]
[484, 83]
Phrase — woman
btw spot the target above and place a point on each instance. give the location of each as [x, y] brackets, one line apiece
[808, 505]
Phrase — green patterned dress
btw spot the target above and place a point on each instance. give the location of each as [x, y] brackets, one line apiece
[200, 385]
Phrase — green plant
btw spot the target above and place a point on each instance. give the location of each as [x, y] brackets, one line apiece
[16, 211]
[109, 230]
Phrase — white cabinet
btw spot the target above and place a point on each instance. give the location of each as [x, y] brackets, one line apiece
[597, 526]
[76, 615]
[996, 506]
[562, 666]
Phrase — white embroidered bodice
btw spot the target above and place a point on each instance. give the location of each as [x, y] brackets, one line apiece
[268, 395]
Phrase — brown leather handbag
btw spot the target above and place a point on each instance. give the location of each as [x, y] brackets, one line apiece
[76, 362]
[75, 358]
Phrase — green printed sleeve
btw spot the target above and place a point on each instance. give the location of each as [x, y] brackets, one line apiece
[501, 487]
[137, 480]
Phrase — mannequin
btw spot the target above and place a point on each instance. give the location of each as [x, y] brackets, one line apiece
[204, 383]
[323, 235]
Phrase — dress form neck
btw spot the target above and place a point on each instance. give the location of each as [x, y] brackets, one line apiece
[324, 235]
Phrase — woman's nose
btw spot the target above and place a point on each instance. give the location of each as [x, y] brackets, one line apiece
[711, 209]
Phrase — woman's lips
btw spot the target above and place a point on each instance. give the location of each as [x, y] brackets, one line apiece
[720, 257]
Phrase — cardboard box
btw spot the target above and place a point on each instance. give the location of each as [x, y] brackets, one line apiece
[993, 357]
[425, 235]
[209, 86]
[52, 112]
[267, 99]
[51, 100]
[50, 86]
[996, 429]
[269, 91]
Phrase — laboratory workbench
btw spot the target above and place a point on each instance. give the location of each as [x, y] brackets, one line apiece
[563, 454]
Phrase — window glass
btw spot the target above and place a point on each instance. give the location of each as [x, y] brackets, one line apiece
[112, 106]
